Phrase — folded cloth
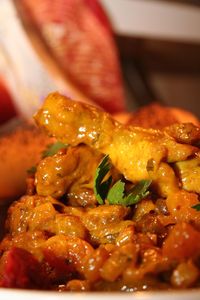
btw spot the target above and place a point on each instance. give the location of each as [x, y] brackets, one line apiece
[7, 108]
[79, 36]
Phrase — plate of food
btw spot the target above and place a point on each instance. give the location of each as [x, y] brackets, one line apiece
[108, 208]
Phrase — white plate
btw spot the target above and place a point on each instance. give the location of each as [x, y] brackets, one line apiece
[9, 294]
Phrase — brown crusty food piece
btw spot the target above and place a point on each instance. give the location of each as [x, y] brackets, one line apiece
[20, 149]
[159, 116]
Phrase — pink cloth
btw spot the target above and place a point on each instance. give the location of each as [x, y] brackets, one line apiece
[7, 109]
[79, 35]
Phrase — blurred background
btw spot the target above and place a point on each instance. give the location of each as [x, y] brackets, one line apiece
[116, 54]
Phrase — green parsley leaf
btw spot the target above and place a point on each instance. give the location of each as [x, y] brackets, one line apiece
[101, 187]
[137, 193]
[196, 206]
[116, 194]
[53, 149]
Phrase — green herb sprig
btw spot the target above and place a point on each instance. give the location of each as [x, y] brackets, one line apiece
[196, 206]
[116, 195]
[101, 187]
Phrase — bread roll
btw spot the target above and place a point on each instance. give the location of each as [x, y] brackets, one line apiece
[157, 116]
[20, 149]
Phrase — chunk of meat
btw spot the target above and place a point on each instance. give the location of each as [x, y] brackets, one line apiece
[29, 241]
[94, 262]
[189, 173]
[186, 133]
[74, 250]
[152, 262]
[121, 258]
[142, 208]
[71, 172]
[105, 223]
[102, 215]
[180, 208]
[45, 214]
[165, 181]
[21, 212]
[34, 213]
[130, 148]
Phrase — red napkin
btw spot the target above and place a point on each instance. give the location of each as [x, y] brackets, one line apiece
[7, 108]
[79, 35]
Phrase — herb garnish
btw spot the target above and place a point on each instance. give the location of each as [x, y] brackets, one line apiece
[116, 194]
[137, 193]
[101, 187]
[196, 206]
[53, 149]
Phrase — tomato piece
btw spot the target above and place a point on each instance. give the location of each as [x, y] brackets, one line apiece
[22, 270]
